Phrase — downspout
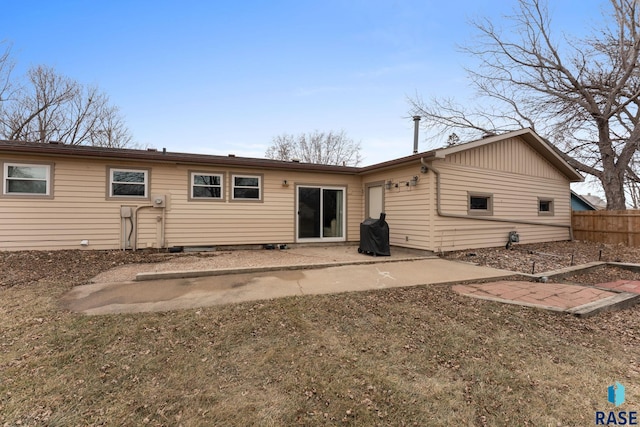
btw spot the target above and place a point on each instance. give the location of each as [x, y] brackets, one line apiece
[429, 166]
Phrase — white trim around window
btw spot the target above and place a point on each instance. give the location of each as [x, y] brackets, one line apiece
[27, 179]
[128, 183]
[246, 188]
[206, 186]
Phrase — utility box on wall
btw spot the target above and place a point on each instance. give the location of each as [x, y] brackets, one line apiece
[159, 201]
[126, 212]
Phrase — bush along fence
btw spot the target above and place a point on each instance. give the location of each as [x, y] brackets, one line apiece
[611, 227]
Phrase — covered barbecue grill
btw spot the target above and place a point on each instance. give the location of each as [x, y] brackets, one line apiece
[374, 236]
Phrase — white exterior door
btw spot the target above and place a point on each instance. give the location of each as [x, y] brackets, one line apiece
[375, 201]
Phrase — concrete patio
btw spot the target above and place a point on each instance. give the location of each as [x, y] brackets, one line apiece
[257, 275]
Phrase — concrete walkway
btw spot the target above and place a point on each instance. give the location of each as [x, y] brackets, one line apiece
[180, 293]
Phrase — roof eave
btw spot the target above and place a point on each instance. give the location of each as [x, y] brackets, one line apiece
[427, 155]
[84, 152]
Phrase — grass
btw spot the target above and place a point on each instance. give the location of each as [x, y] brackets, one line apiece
[414, 356]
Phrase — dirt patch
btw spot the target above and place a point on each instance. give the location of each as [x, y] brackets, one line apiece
[74, 267]
[599, 275]
[542, 257]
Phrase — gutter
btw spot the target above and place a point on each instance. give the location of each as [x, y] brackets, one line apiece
[429, 166]
[150, 155]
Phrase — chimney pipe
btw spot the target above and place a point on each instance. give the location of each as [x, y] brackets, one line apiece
[416, 121]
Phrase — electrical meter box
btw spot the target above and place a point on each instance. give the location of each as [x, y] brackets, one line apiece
[159, 201]
[126, 212]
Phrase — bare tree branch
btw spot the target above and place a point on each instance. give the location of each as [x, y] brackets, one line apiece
[52, 107]
[329, 148]
[581, 94]
[6, 67]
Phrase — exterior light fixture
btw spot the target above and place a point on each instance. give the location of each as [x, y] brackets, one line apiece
[388, 185]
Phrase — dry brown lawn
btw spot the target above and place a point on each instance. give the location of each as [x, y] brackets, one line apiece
[416, 356]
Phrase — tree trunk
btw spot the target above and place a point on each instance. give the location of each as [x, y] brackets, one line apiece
[612, 177]
[613, 185]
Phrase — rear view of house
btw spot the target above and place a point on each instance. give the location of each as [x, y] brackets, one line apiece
[471, 195]
[474, 195]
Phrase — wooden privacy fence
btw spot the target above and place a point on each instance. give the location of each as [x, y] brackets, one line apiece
[611, 227]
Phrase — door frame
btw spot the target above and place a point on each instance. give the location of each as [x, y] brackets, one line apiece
[321, 187]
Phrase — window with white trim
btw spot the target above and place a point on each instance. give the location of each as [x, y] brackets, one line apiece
[206, 186]
[24, 179]
[246, 187]
[128, 182]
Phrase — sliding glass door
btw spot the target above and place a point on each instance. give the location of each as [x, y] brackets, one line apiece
[320, 213]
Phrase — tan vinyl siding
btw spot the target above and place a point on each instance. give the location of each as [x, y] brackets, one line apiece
[512, 155]
[407, 207]
[515, 197]
[515, 175]
[80, 209]
[271, 220]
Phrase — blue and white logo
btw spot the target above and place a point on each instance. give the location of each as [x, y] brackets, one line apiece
[615, 394]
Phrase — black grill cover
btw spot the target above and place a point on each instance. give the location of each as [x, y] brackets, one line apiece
[374, 236]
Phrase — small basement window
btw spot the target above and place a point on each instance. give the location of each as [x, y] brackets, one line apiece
[545, 206]
[247, 187]
[128, 183]
[23, 179]
[206, 186]
[480, 204]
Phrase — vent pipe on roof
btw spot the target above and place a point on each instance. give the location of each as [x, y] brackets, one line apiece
[416, 127]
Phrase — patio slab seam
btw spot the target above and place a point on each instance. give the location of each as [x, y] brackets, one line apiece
[190, 274]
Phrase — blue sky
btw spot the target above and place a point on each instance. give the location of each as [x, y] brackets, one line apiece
[222, 77]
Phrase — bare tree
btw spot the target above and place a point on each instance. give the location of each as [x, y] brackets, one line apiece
[328, 148]
[582, 94]
[6, 67]
[51, 107]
